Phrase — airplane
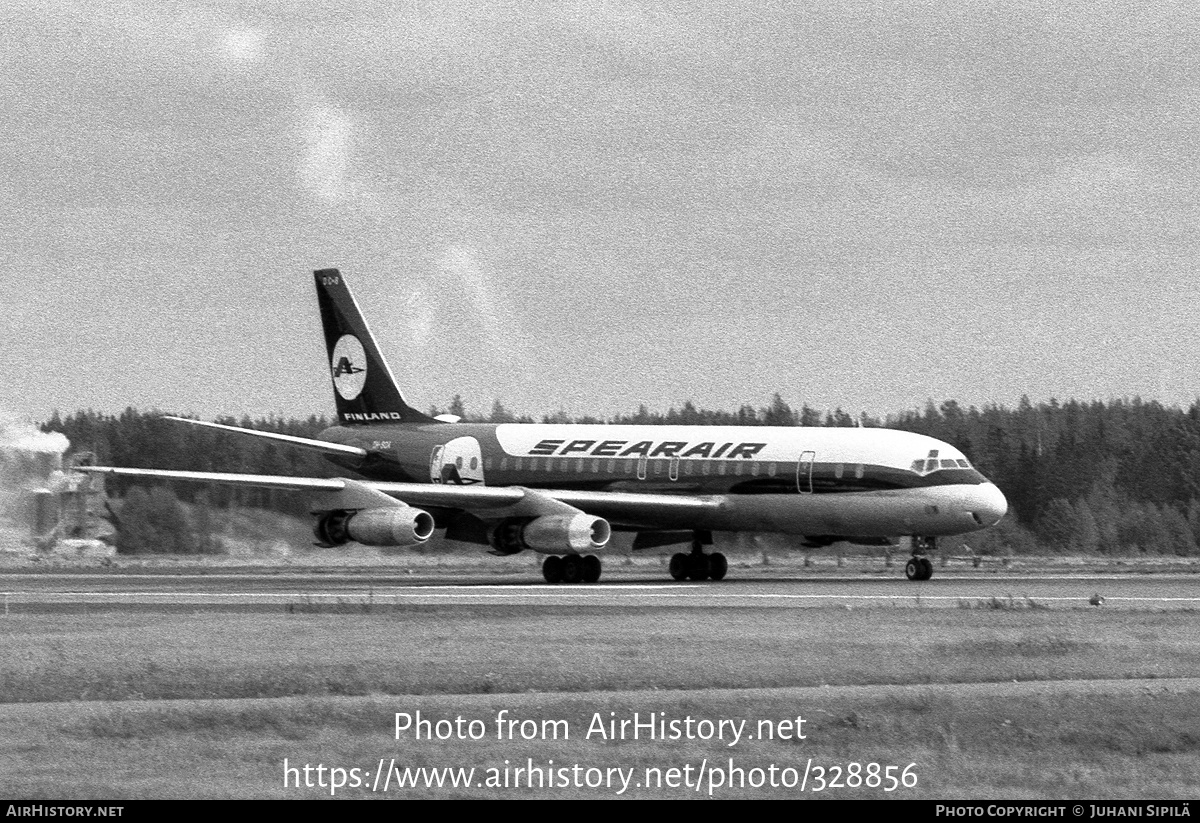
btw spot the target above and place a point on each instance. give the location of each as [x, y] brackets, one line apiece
[562, 489]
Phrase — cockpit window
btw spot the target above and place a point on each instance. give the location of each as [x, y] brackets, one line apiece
[932, 463]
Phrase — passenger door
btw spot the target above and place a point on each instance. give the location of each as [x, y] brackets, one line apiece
[458, 463]
[804, 470]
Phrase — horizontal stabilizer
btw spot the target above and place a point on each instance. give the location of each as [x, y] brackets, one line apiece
[300, 442]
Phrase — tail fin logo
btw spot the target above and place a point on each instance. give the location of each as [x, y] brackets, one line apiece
[348, 376]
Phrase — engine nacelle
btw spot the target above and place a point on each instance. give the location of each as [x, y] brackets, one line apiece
[393, 526]
[551, 534]
[566, 533]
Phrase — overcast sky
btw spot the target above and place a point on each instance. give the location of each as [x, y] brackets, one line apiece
[593, 205]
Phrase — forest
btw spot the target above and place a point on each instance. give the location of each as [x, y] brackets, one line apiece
[1112, 478]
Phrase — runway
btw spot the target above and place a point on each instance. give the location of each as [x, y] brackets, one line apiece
[634, 590]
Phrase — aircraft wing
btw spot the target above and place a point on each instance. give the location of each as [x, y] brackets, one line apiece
[485, 502]
[261, 481]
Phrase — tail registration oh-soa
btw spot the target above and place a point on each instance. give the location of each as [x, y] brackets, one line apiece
[562, 489]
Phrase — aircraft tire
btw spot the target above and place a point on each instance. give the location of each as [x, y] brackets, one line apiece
[913, 569]
[926, 568]
[717, 566]
[552, 569]
[698, 567]
[572, 568]
[679, 566]
[591, 568]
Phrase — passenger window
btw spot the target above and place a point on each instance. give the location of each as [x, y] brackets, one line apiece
[487, 464]
[629, 466]
[858, 471]
[771, 469]
[706, 468]
[612, 465]
[458, 462]
[838, 471]
[754, 469]
[737, 468]
[721, 467]
[503, 464]
[595, 465]
[518, 466]
[474, 462]
[579, 465]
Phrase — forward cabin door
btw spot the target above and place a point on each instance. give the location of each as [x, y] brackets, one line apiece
[435, 464]
[458, 463]
[804, 470]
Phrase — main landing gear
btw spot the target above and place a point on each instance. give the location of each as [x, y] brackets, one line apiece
[919, 567]
[571, 568]
[698, 565]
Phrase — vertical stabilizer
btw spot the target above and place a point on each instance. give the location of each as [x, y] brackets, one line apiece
[363, 386]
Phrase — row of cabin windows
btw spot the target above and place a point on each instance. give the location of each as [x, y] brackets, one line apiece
[653, 466]
[643, 466]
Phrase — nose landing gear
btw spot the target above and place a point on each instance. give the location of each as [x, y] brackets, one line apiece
[919, 567]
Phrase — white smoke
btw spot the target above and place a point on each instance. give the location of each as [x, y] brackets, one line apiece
[23, 436]
[491, 315]
[30, 460]
[243, 45]
[324, 167]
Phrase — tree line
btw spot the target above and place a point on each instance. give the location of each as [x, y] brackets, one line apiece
[1100, 477]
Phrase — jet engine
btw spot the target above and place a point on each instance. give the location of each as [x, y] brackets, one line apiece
[552, 534]
[393, 526]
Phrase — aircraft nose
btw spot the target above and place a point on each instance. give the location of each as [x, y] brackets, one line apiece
[987, 504]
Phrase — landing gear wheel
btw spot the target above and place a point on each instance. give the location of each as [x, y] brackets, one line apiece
[913, 569]
[552, 569]
[591, 568]
[572, 568]
[698, 567]
[679, 566]
[918, 568]
[717, 566]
